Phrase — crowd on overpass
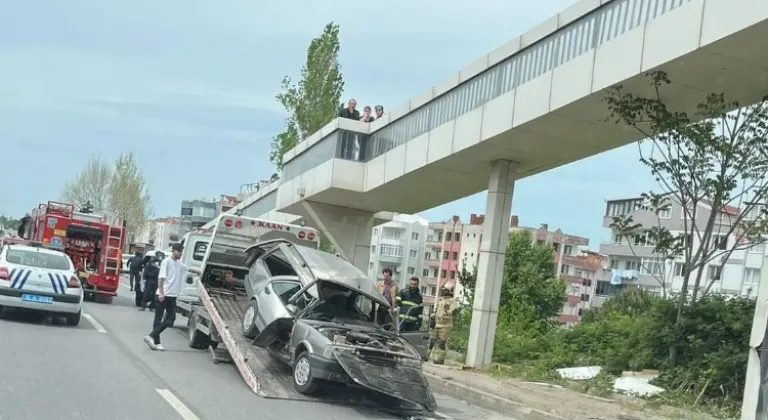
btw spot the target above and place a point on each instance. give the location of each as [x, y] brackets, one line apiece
[351, 112]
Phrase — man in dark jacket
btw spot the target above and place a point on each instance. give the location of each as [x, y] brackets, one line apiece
[411, 305]
[350, 111]
[135, 264]
[151, 274]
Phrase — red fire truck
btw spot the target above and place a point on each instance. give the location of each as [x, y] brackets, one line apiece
[94, 245]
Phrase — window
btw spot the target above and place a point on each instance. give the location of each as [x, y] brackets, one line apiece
[652, 266]
[556, 246]
[605, 288]
[411, 270]
[413, 253]
[452, 274]
[575, 289]
[391, 250]
[632, 265]
[578, 273]
[572, 305]
[665, 213]
[616, 239]
[435, 273]
[713, 273]
[567, 250]
[425, 272]
[614, 264]
[686, 240]
[455, 256]
[720, 242]
[751, 276]
[373, 249]
[198, 252]
[278, 265]
[432, 290]
[423, 290]
[38, 259]
[375, 231]
[445, 255]
[679, 269]
[442, 274]
[564, 269]
[457, 236]
[427, 255]
[392, 233]
[414, 236]
[758, 248]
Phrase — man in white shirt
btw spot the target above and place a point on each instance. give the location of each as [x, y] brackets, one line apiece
[169, 284]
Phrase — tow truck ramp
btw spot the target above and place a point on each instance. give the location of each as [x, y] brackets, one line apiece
[270, 378]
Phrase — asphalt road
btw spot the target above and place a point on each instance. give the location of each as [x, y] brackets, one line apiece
[103, 370]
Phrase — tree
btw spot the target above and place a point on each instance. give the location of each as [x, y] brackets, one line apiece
[530, 291]
[8, 224]
[713, 164]
[128, 196]
[314, 101]
[468, 281]
[90, 186]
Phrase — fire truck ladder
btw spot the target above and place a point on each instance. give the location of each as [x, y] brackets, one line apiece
[114, 250]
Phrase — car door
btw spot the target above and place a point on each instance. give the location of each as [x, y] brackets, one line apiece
[419, 340]
[273, 317]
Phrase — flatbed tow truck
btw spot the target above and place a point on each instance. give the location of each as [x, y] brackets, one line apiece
[214, 310]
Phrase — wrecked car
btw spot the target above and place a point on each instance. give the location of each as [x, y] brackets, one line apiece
[314, 312]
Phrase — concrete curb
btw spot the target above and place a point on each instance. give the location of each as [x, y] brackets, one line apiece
[487, 401]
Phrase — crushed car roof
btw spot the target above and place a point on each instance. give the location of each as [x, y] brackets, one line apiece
[326, 266]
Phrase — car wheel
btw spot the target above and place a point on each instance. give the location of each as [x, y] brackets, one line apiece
[248, 325]
[196, 338]
[303, 380]
[73, 320]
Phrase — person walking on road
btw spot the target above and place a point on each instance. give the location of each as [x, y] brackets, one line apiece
[411, 305]
[169, 283]
[135, 264]
[151, 274]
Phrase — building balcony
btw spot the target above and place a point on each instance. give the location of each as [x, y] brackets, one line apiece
[624, 250]
[573, 298]
[573, 279]
[432, 262]
[390, 258]
[568, 318]
[429, 281]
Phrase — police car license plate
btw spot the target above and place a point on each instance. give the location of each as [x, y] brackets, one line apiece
[36, 298]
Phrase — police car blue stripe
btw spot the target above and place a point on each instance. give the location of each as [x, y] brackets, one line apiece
[24, 280]
[62, 282]
[16, 280]
[54, 283]
[10, 275]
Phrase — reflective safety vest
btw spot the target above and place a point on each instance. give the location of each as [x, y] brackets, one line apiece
[444, 311]
[411, 305]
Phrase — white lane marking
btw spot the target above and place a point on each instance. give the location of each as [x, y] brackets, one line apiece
[177, 405]
[96, 324]
[443, 416]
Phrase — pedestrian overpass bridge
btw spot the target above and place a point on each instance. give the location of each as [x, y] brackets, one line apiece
[531, 105]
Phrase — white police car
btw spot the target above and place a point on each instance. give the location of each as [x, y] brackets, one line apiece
[39, 278]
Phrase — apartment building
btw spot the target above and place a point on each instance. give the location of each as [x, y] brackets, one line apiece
[441, 258]
[634, 264]
[197, 212]
[578, 266]
[161, 233]
[399, 246]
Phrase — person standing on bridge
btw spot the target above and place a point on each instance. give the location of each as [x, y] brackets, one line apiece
[169, 284]
[350, 111]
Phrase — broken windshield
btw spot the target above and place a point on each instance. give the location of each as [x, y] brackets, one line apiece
[341, 304]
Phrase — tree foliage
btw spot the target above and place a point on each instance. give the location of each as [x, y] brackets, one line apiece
[713, 164]
[117, 190]
[468, 282]
[129, 198]
[8, 225]
[314, 101]
[90, 186]
[531, 294]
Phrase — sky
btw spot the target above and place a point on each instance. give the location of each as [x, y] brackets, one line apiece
[189, 86]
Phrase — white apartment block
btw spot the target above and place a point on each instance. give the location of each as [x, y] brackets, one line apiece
[639, 266]
[399, 246]
[160, 233]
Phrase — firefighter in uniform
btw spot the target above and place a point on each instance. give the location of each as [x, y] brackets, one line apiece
[445, 310]
[411, 306]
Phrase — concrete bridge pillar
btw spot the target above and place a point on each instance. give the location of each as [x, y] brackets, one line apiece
[755, 403]
[349, 230]
[490, 269]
